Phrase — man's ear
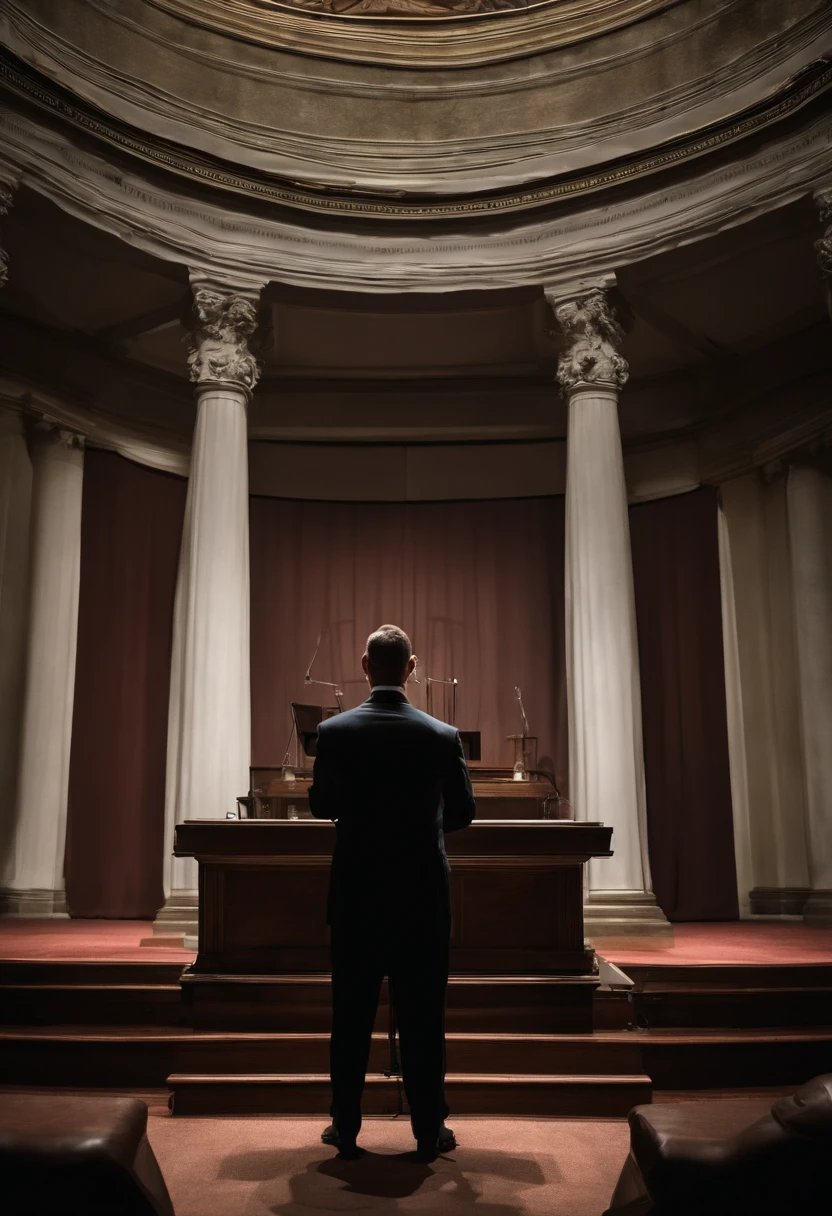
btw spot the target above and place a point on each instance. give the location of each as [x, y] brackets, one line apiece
[411, 666]
[365, 665]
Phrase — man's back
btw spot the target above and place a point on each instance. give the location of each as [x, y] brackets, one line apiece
[393, 779]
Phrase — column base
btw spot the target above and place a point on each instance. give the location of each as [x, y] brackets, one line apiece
[177, 922]
[34, 904]
[818, 908]
[626, 918]
[778, 901]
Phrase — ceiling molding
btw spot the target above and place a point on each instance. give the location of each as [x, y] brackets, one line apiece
[201, 171]
[163, 220]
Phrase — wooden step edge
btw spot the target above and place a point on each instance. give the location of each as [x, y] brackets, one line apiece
[675, 1036]
[172, 989]
[553, 1079]
[325, 978]
[656, 1037]
[606, 1038]
[711, 993]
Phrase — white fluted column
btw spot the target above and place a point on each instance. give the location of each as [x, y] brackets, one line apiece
[606, 759]
[809, 495]
[209, 729]
[15, 511]
[33, 881]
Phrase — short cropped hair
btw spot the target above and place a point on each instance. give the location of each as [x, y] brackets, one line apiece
[388, 653]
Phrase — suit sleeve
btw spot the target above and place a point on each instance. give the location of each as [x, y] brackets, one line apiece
[457, 792]
[323, 792]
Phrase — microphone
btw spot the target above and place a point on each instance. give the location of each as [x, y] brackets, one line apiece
[519, 697]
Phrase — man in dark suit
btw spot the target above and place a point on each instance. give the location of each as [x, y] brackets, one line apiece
[394, 780]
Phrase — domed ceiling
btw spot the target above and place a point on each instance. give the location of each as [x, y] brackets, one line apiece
[420, 110]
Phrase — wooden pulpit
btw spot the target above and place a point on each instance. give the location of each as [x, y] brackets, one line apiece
[518, 957]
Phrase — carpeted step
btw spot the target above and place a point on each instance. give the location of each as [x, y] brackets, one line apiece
[493, 1094]
[502, 1004]
[101, 1004]
[143, 1055]
[89, 971]
[675, 1059]
[686, 1004]
[732, 975]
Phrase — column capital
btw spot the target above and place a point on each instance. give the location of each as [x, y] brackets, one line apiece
[823, 246]
[9, 178]
[225, 318]
[45, 429]
[591, 322]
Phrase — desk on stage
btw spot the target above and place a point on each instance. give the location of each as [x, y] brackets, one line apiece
[518, 957]
[498, 795]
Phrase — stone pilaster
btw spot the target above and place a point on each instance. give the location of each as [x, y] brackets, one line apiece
[33, 878]
[606, 762]
[209, 731]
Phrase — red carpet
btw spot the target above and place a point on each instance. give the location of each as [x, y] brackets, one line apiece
[278, 1167]
[774, 942]
[98, 940]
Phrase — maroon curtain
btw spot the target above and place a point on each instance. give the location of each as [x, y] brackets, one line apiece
[478, 586]
[131, 529]
[690, 827]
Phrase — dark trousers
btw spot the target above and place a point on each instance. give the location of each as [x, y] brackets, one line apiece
[417, 969]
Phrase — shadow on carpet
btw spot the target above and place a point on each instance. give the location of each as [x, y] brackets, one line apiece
[276, 1167]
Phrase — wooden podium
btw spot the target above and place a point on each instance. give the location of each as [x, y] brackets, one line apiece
[519, 963]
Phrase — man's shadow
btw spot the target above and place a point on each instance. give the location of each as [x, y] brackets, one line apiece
[383, 1178]
[385, 1175]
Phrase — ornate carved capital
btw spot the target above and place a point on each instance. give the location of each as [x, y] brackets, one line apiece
[54, 431]
[6, 196]
[224, 320]
[823, 245]
[593, 334]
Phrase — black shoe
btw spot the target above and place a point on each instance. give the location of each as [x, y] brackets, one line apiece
[426, 1151]
[446, 1140]
[348, 1150]
[429, 1149]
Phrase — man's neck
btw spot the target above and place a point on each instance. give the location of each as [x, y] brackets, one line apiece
[387, 688]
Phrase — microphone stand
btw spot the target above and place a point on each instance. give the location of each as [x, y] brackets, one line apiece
[327, 684]
[307, 679]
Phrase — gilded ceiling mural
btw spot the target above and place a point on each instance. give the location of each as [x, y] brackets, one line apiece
[408, 8]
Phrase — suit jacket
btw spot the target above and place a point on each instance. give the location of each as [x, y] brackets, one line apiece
[394, 780]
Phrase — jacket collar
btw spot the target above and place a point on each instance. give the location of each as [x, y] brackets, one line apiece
[387, 693]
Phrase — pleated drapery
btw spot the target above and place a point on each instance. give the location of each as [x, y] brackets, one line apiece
[131, 528]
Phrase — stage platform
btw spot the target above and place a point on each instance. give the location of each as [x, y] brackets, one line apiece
[84, 1003]
[761, 941]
